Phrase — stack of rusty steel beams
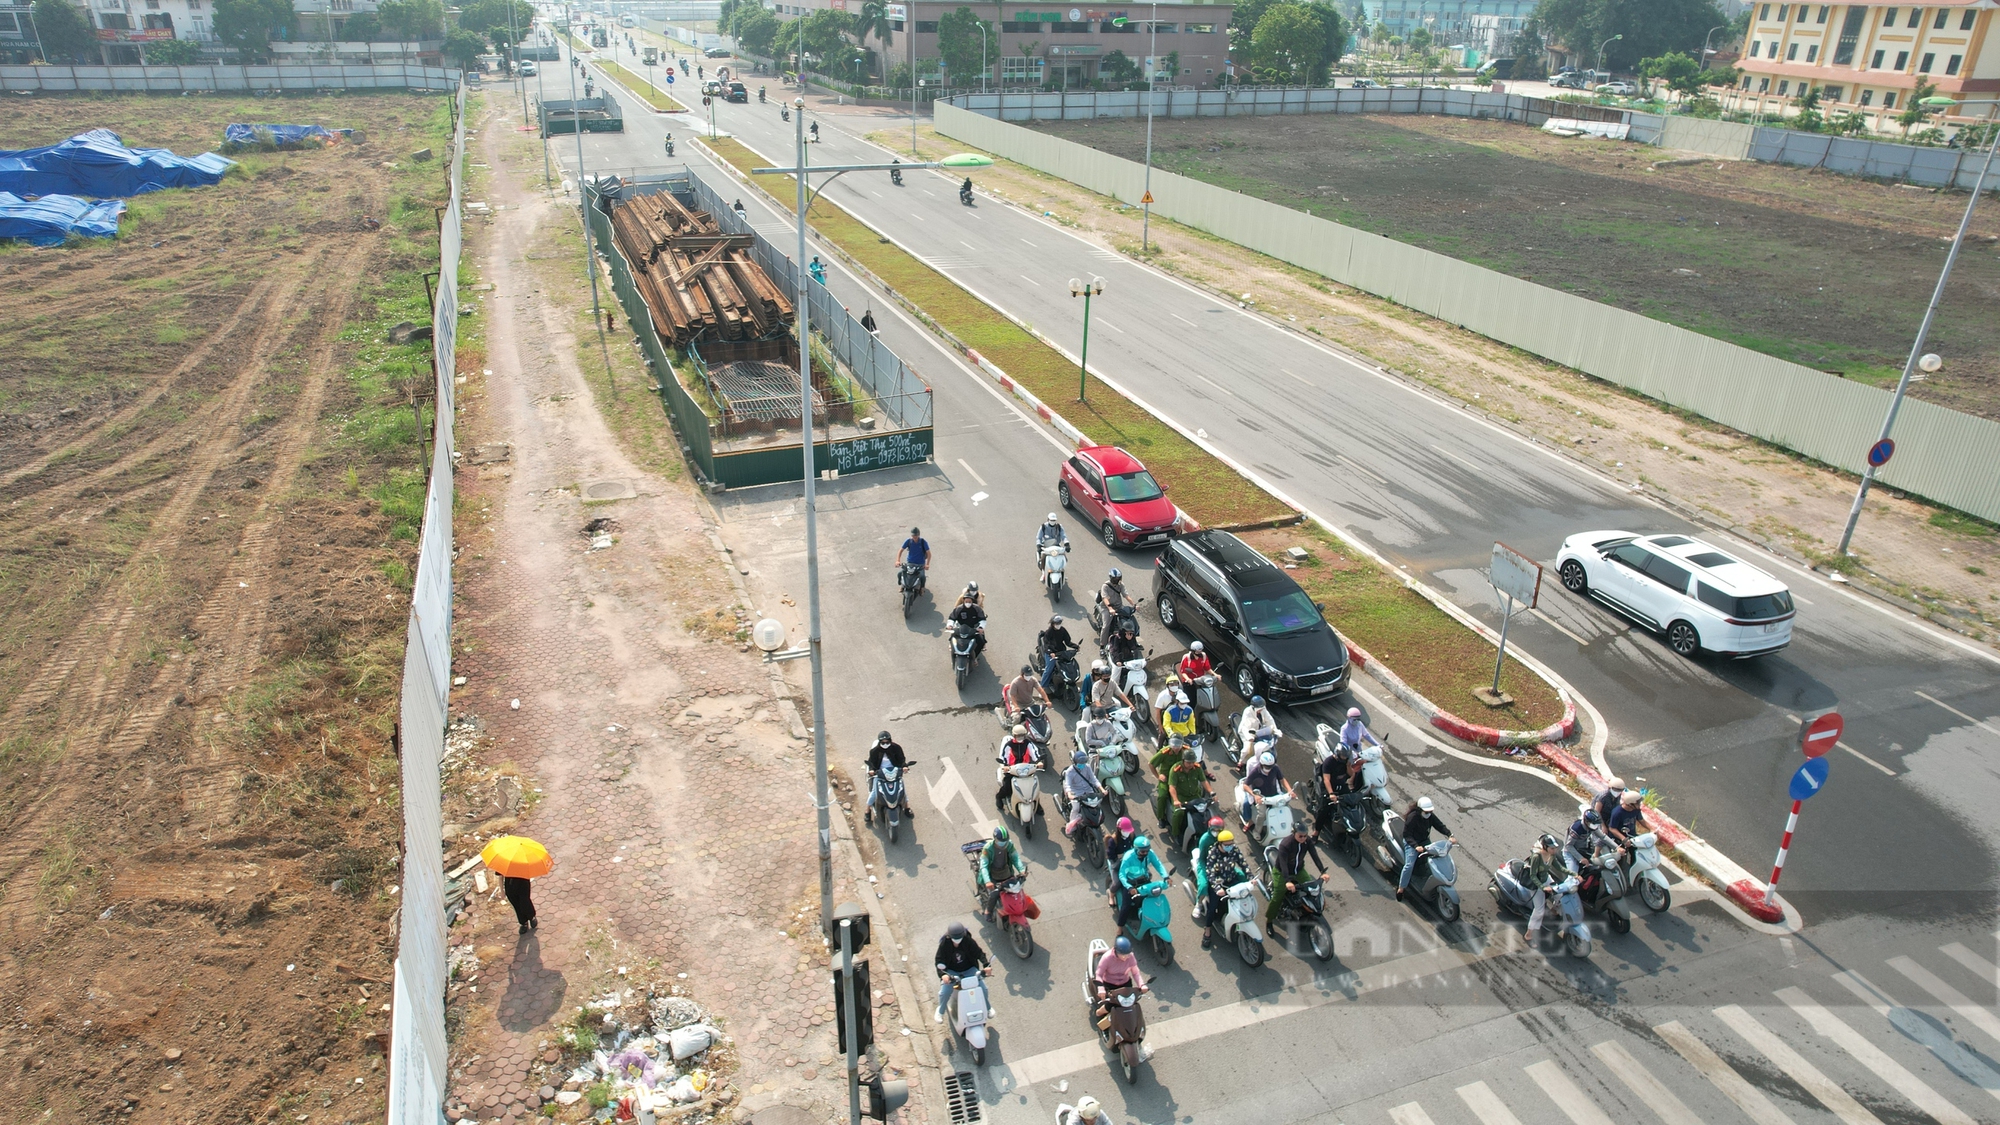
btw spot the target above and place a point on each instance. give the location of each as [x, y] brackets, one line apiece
[700, 283]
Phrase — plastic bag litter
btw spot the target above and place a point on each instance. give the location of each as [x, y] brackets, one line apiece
[688, 1087]
[687, 1042]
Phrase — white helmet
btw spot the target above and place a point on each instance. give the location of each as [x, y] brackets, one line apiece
[1098, 666]
[1195, 647]
[1088, 1109]
[1425, 804]
[1053, 518]
[1267, 759]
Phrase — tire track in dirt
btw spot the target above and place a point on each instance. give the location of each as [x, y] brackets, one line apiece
[251, 300]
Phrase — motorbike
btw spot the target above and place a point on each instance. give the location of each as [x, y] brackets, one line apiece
[1026, 802]
[1236, 924]
[1434, 879]
[968, 1014]
[1247, 747]
[1054, 556]
[1127, 615]
[1040, 730]
[1198, 812]
[1089, 832]
[1120, 1024]
[1270, 817]
[1114, 761]
[1007, 906]
[1150, 923]
[964, 646]
[1131, 679]
[910, 579]
[1304, 908]
[1382, 825]
[1564, 916]
[670, 146]
[965, 196]
[1603, 887]
[1207, 714]
[760, 95]
[784, 115]
[1643, 874]
[890, 795]
[1063, 685]
[896, 176]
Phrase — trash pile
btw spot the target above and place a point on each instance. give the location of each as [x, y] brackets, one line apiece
[648, 1056]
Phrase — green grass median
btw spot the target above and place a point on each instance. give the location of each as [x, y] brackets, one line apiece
[1204, 486]
[636, 83]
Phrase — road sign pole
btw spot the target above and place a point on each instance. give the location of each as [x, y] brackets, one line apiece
[1784, 845]
[852, 1018]
[1506, 616]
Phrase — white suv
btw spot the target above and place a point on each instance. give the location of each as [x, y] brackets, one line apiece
[1696, 595]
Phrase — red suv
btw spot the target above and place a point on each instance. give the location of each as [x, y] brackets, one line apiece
[1110, 488]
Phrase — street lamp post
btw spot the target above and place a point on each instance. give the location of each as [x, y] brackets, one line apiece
[1705, 52]
[1924, 329]
[983, 69]
[1086, 290]
[1600, 50]
[583, 195]
[1152, 91]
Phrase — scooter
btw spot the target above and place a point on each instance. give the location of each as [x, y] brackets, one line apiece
[1198, 812]
[1008, 906]
[1248, 744]
[890, 797]
[1603, 887]
[1131, 679]
[1237, 921]
[1120, 1024]
[1127, 615]
[1064, 684]
[670, 146]
[1512, 894]
[1643, 874]
[1382, 825]
[910, 579]
[965, 196]
[1304, 908]
[1150, 923]
[1434, 879]
[969, 1012]
[964, 644]
[760, 95]
[1040, 730]
[1026, 802]
[1054, 556]
[1270, 817]
[1112, 762]
[1088, 812]
[1207, 713]
[896, 176]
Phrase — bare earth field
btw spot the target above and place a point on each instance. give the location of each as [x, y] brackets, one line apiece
[209, 488]
[1828, 271]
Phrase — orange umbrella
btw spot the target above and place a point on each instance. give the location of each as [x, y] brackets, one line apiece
[517, 857]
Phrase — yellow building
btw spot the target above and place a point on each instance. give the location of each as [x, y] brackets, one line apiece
[1868, 57]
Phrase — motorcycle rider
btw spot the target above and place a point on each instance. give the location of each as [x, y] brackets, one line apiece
[1263, 779]
[965, 190]
[1134, 871]
[817, 269]
[868, 321]
[1086, 1111]
[1117, 969]
[1186, 781]
[971, 612]
[760, 95]
[1051, 534]
[1606, 802]
[738, 208]
[1079, 781]
[1192, 667]
[885, 749]
[896, 173]
[1000, 860]
[1111, 596]
[1256, 726]
[1291, 870]
[958, 953]
[1626, 821]
[1123, 649]
[1055, 641]
[1221, 867]
[916, 551]
[1584, 833]
[1334, 776]
[1117, 843]
[1354, 732]
[814, 130]
[1176, 716]
[1102, 691]
[1545, 869]
[1419, 821]
[1013, 752]
[1023, 690]
[670, 144]
[1099, 732]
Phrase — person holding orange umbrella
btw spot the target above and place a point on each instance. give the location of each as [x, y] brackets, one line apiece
[517, 859]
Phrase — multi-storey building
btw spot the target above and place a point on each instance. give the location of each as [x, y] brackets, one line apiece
[1486, 25]
[1868, 58]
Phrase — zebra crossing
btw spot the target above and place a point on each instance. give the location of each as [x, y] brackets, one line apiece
[1859, 1052]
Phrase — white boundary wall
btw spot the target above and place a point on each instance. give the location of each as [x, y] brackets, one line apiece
[174, 79]
[1942, 455]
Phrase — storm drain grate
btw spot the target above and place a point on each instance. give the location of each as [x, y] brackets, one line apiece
[961, 1095]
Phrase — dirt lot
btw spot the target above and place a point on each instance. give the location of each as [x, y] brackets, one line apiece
[1827, 271]
[209, 487]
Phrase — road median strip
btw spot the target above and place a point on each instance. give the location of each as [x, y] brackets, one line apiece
[638, 87]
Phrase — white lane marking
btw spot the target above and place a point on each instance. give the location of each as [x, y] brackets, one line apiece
[1410, 1113]
[1968, 1065]
[974, 472]
[1950, 997]
[1182, 319]
[1869, 1055]
[1457, 458]
[951, 785]
[1361, 467]
[1981, 724]
[1197, 1026]
[972, 214]
[1575, 1104]
[1029, 280]
[968, 245]
[1856, 753]
[918, 218]
[1111, 326]
[1216, 385]
[977, 497]
[1651, 1090]
[1486, 1105]
[927, 191]
[1982, 968]
[1557, 626]
[1700, 1056]
[1309, 383]
[1029, 243]
[1796, 1067]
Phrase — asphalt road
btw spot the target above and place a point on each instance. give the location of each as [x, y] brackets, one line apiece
[1411, 1022]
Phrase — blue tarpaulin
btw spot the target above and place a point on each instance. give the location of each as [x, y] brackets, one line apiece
[52, 218]
[99, 166]
[280, 134]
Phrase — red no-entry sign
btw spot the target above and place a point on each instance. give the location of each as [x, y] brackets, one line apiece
[1819, 735]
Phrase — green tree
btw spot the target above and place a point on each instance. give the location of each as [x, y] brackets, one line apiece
[1650, 27]
[409, 21]
[1118, 69]
[1915, 112]
[248, 26]
[1288, 43]
[756, 29]
[960, 42]
[1676, 71]
[823, 32]
[1170, 66]
[464, 48]
[361, 27]
[171, 52]
[873, 19]
[1849, 124]
[1530, 54]
[1419, 39]
[1243, 24]
[1809, 120]
[488, 15]
[65, 32]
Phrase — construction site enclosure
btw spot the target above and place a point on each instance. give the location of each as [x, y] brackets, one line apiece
[714, 306]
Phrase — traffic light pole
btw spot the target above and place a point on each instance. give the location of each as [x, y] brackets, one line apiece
[853, 1022]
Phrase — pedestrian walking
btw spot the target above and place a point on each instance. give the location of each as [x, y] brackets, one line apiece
[517, 860]
[519, 896]
[868, 321]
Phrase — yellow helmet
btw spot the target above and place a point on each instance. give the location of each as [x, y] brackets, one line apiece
[1226, 837]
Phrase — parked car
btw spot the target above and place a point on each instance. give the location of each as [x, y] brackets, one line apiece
[1113, 491]
[1621, 89]
[717, 53]
[1266, 635]
[1366, 84]
[1698, 597]
[1570, 80]
[737, 93]
[528, 70]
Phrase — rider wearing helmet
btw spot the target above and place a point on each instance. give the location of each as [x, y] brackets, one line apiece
[1119, 968]
[1101, 691]
[1606, 802]
[1000, 860]
[1117, 842]
[1086, 1111]
[1018, 748]
[1419, 821]
[1257, 725]
[916, 551]
[1263, 779]
[1291, 869]
[1055, 643]
[1110, 597]
[1546, 869]
[1584, 834]
[1192, 667]
[1354, 732]
[971, 611]
[1186, 781]
[885, 749]
[1221, 868]
[1050, 534]
[1174, 714]
[1079, 781]
[1125, 648]
[1139, 867]
[1024, 690]
[958, 954]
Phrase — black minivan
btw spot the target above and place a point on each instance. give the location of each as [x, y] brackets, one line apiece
[1260, 629]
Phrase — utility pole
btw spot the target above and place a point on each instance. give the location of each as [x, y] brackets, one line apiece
[582, 194]
[1152, 88]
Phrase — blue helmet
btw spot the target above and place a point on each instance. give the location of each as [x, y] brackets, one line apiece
[1123, 945]
[1141, 843]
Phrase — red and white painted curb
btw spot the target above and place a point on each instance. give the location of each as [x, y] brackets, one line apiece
[1040, 408]
[1560, 731]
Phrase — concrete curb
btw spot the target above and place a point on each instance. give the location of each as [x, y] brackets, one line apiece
[1041, 409]
[1560, 731]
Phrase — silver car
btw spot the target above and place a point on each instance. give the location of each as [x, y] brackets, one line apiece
[1699, 598]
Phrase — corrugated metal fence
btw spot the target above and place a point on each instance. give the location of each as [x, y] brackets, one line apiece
[1258, 101]
[172, 79]
[1943, 455]
[418, 1054]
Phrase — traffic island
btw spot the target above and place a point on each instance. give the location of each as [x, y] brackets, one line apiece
[638, 86]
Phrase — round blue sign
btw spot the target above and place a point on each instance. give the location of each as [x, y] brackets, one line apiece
[670, 79]
[1880, 452]
[1810, 778]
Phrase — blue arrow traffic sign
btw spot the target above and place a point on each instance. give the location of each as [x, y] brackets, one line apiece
[1810, 778]
[1880, 452]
